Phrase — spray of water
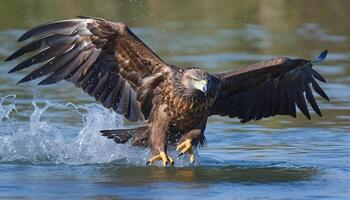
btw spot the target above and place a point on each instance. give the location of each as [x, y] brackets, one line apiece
[44, 142]
[6, 109]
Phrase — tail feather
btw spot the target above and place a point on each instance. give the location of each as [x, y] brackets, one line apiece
[119, 136]
[139, 135]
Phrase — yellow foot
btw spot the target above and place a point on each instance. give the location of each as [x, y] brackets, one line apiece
[186, 147]
[163, 157]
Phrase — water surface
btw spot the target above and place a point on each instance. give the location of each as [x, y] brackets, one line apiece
[49, 141]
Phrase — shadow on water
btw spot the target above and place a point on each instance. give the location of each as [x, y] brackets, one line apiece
[131, 175]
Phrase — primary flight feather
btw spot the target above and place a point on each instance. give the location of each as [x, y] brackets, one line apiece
[109, 62]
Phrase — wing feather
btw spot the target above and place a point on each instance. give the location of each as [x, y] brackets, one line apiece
[65, 27]
[67, 69]
[319, 90]
[311, 99]
[104, 58]
[41, 56]
[268, 88]
[48, 41]
[50, 66]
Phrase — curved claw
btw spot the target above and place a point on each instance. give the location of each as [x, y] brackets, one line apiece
[163, 157]
[186, 147]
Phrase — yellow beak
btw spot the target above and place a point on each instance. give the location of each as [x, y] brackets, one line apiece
[202, 86]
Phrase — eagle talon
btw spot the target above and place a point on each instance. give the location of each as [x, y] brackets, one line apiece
[163, 157]
[186, 147]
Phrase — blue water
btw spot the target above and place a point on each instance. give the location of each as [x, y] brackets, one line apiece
[50, 146]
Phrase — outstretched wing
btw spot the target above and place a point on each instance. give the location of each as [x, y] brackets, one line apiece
[269, 88]
[104, 58]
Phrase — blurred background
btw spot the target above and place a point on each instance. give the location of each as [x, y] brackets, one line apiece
[277, 158]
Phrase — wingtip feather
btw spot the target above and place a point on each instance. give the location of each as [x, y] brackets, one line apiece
[8, 59]
[319, 90]
[22, 38]
[13, 56]
[318, 76]
[63, 26]
[322, 56]
[44, 82]
[12, 70]
[25, 35]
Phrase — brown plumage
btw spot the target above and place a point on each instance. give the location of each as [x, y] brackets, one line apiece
[111, 64]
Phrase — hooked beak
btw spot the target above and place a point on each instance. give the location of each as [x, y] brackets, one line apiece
[203, 86]
[205, 89]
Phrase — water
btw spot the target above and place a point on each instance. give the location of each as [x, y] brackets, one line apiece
[50, 147]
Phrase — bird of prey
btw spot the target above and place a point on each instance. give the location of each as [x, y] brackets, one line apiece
[109, 62]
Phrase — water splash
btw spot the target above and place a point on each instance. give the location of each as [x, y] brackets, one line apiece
[7, 108]
[42, 141]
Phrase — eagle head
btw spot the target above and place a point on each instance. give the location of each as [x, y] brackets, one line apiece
[199, 84]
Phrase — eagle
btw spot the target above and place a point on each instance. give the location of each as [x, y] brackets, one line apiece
[110, 63]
